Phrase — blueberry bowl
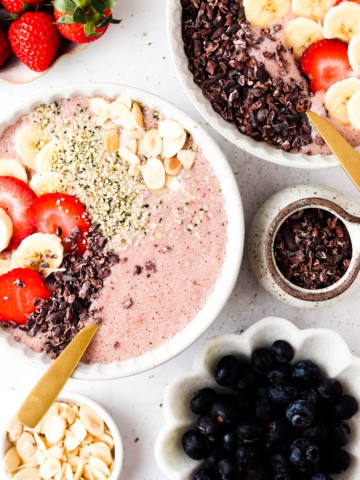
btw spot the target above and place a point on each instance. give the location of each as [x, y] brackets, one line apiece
[321, 347]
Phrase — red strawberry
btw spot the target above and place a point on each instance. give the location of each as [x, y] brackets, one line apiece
[325, 62]
[5, 49]
[35, 40]
[17, 199]
[19, 6]
[62, 214]
[18, 290]
[83, 21]
[340, 1]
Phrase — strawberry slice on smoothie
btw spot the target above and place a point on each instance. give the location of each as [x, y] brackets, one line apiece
[63, 215]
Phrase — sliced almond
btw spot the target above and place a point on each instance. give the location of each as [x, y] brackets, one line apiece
[25, 447]
[78, 430]
[14, 429]
[85, 452]
[135, 134]
[121, 115]
[111, 141]
[54, 452]
[92, 421]
[79, 470]
[171, 146]
[102, 451]
[152, 143]
[108, 439]
[109, 125]
[98, 475]
[54, 429]
[125, 100]
[71, 442]
[172, 183]
[53, 410]
[137, 116]
[126, 140]
[99, 464]
[100, 107]
[69, 415]
[134, 170]
[49, 468]
[88, 439]
[11, 460]
[87, 473]
[74, 461]
[28, 473]
[68, 472]
[61, 475]
[40, 442]
[128, 155]
[171, 129]
[154, 174]
[187, 158]
[173, 166]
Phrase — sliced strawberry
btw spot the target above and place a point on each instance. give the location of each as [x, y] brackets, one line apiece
[63, 215]
[18, 290]
[17, 199]
[325, 62]
[341, 1]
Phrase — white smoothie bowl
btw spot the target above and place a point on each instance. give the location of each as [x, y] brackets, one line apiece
[325, 347]
[234, 248]
[68, 397]
[226, 129]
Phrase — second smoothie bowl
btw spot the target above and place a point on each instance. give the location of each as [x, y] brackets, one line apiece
[118, 209]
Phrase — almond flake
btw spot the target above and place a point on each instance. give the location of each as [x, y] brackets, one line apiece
[28, 473]
[127, 140]
[172, 183]
[121, 115]
[25, 447]
[11, 460]
[87, 473]
[14, 429]
[71, 442]
[152, 143]
[78, 430]
[49, 468]
[187, 158]
[102, 451]
[171, 129]
[137, 116]
[54, 452]
[92, 421]
[125, 100]
[128, 155]
[99, 464]
[154, 174]
[101, 108]
[111, 141]
[171, 146]
[172, 166]
[54, 429]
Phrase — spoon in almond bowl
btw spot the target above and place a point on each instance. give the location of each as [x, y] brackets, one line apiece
[348, 157]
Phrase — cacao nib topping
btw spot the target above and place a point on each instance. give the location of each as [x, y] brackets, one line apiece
[313, 249]
[217, 42]
[69, 308]
[128, 303]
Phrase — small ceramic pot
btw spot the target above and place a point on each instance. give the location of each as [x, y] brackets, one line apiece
[266, 224]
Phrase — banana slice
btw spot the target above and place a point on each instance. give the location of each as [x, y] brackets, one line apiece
[301, 33]
[6, 229]
[28, 143]
[46, 158]
[342, 21]
[353, 110]
[42, 252]
[261, 13]
[47, 182]
[354, 53]
[315, 9]
[5, 266]
[12, 168]
[337, 97]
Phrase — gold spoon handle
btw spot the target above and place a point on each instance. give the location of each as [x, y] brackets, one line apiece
[348, 157]
[52, 382]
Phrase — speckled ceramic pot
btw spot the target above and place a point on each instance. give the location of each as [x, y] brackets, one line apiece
[266, 224]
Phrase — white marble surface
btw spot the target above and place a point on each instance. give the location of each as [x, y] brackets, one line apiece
[136, 53]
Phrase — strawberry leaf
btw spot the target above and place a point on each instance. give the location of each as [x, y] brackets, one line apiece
[79, 16]
[98, 5]
[89, 29]
[109, 4]
[66, 6]
[65, 19]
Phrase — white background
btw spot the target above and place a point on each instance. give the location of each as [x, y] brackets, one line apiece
[136, 53]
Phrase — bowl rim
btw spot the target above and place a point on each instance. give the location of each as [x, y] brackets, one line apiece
[234, 247]
[69, 397]
[229, 131]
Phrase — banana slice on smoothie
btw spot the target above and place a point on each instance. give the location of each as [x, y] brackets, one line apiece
[28, 143]
[12, 168]
[261, 13]
[353, 110]
[6, 229]
[42, 252]
[342, 21]
[354, 53]
[47, 182]
[315, 9]
[46, 158]
[337, 97]
[301, 33]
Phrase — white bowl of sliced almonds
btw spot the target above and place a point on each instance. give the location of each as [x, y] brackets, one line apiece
[76, 440]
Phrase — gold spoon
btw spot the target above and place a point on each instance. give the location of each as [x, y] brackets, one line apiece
[52, 382]
[348, 157]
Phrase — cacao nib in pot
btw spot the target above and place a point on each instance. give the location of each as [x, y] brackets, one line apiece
[217, 42]
[313, 249]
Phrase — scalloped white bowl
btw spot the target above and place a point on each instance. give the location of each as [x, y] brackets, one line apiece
[226, 129]
[325, 347]
[234, 249]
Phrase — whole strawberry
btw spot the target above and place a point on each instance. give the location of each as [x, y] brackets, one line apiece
[83, 21]
[35, 39]
[19, 6]
[5, 49]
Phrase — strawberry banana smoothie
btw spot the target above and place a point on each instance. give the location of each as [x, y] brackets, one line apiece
[124, 226]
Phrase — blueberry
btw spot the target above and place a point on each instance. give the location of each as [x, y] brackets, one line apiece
[265, 410]
[247, 454]
[306, 373]
[246, 380]
[276, 432]
[229, 469]
[321, 476]
[282, 351]
[300, 414]
[346, 407]
[330, 388]
[338, 461]
[317, 432]
[304, 455]
[204, 474]
[224, 409]
[279, 375]
[202, 400]
[195, 445]
[282, 394]
[227, 371]
[213, 458]
[249, 430]
[279, 462]
[228, 440]
[339, 434]
[310, 395]
[261, 360]
[208, 426]
[257, 473]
